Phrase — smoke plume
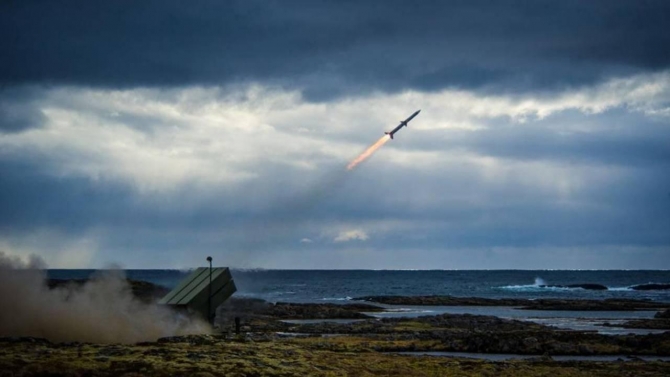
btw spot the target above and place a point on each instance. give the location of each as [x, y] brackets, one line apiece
[103, 310]
[368, 152]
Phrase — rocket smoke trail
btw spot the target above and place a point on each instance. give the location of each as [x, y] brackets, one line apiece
[373, 148]
[368, 152]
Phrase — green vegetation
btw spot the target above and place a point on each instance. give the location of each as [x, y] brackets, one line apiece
[356, 348]
[238, 356]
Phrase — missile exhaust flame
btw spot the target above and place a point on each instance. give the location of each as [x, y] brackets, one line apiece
[373, 148]
[368, 152]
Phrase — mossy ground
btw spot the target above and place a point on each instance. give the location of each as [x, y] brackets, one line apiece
[360, 349]
[218, 356]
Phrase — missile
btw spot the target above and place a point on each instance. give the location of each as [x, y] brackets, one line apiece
[403, 123]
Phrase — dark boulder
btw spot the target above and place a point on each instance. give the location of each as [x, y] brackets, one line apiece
[284, 310]
[594, 305]
[589, 286]
[665, 314]
[537, 304]
[436, 300]
[650, 287]
[141, 290]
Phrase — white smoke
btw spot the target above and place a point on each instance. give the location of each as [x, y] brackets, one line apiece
[102, 310]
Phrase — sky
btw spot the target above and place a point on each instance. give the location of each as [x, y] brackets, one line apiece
[151, 134]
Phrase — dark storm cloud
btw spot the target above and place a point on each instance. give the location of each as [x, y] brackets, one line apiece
[464, 210]
[451, 207]
[328, 48]
[31, 198]
[35, 195]
[616, 137]
[17, 110]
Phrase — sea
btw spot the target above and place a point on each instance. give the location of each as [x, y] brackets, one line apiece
[345, 285]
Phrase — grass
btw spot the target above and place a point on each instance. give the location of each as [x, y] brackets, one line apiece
[217, 356]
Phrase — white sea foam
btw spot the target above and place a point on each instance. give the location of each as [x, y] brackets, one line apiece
[528, 287]
[407, 310]
[347, 298]
[282, 293]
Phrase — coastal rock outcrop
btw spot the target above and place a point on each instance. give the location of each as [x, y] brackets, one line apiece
[141, 290]
[320, 311]
[651, 287]
[661, 321]
[663, 314]
[265, 315]
[539, 304]
[436, 300]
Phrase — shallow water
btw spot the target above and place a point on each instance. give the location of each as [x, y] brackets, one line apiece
[592, 324]
[327, 320]
[562, 319]
[505, 312]
[503, 356]
[339, 286]
[573, 320]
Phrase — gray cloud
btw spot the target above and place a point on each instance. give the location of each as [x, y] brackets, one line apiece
[17, 109]
[332, 48]
[612, 142]
[156, 132]
[402, 209]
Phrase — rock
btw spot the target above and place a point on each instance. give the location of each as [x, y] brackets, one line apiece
[320, 311]
[589, 286]
[257, 313]
[562, 348]
[593, 305]
[531, 343]
[585, 350]
[114, 351]
[195, 356]
[190, 339]
[156, 351]
[541, 359]
[664, 314]
[651, 323]
[650, 287]
[539, 304]
[442, 301]
[142, 290]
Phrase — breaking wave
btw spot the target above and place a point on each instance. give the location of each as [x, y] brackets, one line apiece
[541, 285]
[407, 310]
[347, 298]
[538, 284]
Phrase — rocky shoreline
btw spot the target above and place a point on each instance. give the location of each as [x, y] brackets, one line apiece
[661, 321]
[524, 304]
[295, 339]
[446, 332]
